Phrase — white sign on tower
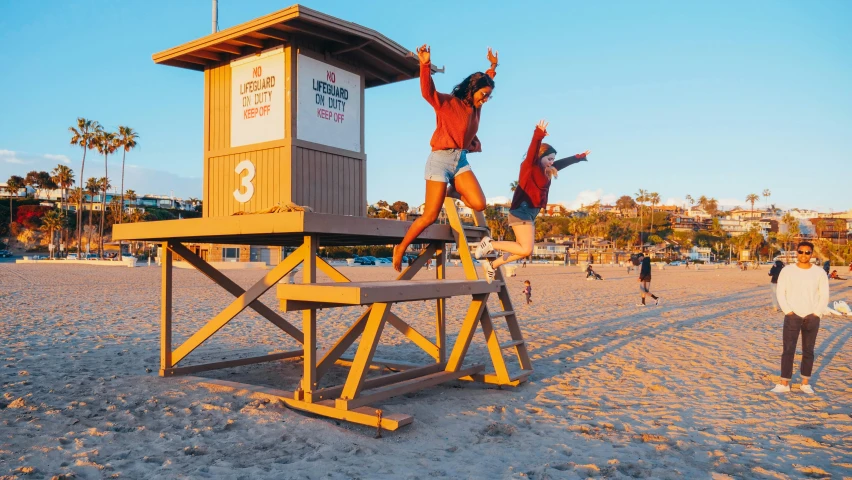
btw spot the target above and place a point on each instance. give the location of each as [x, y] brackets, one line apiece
[257, 98]
[329, 105]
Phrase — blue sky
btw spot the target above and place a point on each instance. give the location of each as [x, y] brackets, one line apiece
[704, 98]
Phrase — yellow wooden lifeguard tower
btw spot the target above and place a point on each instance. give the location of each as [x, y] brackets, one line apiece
[284, 123]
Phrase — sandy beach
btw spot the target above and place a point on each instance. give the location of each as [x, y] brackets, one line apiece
[678, 390]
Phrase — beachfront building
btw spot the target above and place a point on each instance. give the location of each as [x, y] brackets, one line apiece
[6, 192]
[700, 253]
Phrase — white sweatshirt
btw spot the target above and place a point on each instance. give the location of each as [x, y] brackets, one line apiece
[803, 291]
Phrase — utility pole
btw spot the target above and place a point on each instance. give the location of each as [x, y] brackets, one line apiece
[215, 16]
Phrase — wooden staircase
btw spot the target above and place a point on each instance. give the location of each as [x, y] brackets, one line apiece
[501, 375]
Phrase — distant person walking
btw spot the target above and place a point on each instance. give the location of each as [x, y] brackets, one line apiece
[528, 291]
[827, 266]
[773, 284]
[645, 280]
[803, 297]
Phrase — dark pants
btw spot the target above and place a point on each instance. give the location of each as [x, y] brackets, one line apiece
[793, 324]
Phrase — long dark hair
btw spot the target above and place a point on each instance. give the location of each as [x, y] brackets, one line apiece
[464, 91]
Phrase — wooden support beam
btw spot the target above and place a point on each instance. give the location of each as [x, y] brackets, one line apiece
[494, 349]
[225, 47]
[246, 40]
[223, 281]
[413, 335]
[441, 304]
[208, 55]
[411, 270]
[381, 381]
[273, 33]
[375, 58]
[330, 271]
[461, 238]
[194, 59]
[366, 350]
[474, 312]
[229, 363]
[413, 385]
[309, 320]
[352, 48]
[166, 309]
[312, 31]
[240, 304]
[345, 342]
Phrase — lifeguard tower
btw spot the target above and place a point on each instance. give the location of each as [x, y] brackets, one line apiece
[284, 124]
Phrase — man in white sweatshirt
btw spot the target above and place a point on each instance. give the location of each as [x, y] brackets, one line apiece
[803, 297]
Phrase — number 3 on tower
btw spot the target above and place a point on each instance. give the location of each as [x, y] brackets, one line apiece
[245, 182]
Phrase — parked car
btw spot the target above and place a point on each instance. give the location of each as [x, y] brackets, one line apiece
[365, 260]
[384, 260]
[71, 256]
[675, 263]
[39, 257]
[5, 254]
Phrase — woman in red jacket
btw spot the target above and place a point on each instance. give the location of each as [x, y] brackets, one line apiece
[457, 117]
[537, 169]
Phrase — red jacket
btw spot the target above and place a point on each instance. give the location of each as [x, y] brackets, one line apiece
[457, 122]
[533, 183]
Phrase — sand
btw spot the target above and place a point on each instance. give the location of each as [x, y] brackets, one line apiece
[674, 391]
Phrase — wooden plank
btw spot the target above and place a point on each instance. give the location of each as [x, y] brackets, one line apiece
[364, 293]
[238, 305]
[168, 372]
[309, 320]
[510, 344]
[226, 283]
[412, 334]
[380, 381]
[474, 312]
[407, 386]
[166, 309]
[366, 349]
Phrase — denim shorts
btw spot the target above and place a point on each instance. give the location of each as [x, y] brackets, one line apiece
[444, 165]
[523, 215]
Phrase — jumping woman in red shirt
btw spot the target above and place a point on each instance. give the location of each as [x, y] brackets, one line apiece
[455, 136]
[537, 169]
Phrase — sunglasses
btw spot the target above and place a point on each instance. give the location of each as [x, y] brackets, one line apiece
[802, 252]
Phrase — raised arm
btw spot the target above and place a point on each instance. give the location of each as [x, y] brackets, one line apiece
[492, 58]
[567, 161]
[538, 135]
[427, 86]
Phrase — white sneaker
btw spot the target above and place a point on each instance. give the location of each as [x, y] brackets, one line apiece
[640, 304]
[657, 301]
[807, 389]
[489, 271]
[483, 248]
[780, 389]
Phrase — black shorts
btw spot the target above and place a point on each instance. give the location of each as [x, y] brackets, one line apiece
[645, 278]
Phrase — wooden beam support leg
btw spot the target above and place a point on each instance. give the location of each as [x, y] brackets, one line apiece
[166, 310]
[477, 305]
[223, 281]
[413, 335]
[441, 304]
[238, 305]
[309, 321]
[345, 341]
[364, 355]
[494, 349]
[417, 264]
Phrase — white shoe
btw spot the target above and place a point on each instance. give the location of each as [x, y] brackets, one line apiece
[780, 389]
[657, 301]
[489, 271]
[807, 389]
[640, 305]
[483, 248]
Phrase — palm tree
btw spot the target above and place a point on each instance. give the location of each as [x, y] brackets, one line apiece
[702, 203]
[106, 143]
[751, 198]
[63, 176]
[766, 195]
[104, 185]
[127, 142]
[654, 198]
[50, 222]
[690, 200]
[92, 187]
[819, 226]
[84, 136]
[641, 197]
[513, 186]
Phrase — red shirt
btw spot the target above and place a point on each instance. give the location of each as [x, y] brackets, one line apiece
[457, 122]
[533, 183]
